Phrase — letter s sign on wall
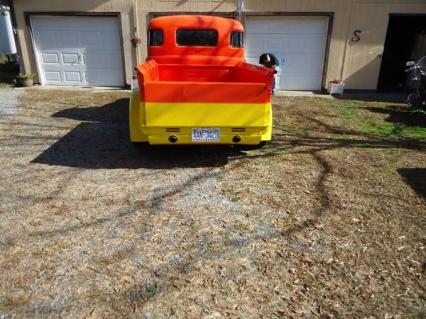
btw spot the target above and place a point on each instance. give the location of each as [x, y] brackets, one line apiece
[356, 37]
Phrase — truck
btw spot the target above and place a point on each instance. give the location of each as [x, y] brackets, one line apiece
[196, 87]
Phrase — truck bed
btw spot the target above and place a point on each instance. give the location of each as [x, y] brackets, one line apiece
[242, 83]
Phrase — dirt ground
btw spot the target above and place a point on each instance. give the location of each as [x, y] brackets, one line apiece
[329, 220]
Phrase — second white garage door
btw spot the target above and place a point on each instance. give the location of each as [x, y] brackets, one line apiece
[300, 41]
[78, 50]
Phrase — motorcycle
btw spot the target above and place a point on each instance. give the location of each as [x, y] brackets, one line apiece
[417, 81]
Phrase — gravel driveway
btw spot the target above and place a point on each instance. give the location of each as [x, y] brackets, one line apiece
[320, 223]
[9, 98]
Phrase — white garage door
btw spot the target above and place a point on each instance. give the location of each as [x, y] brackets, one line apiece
[78, 50]
[301, 41]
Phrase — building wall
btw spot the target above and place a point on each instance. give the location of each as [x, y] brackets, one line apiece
[340, 8]
[356, 63]
[363, 59]
[124, 7]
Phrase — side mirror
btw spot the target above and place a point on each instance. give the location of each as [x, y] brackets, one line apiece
[410, 64]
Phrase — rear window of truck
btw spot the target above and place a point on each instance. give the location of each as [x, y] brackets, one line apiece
[237, 39]
[155, 38]
[195, 37]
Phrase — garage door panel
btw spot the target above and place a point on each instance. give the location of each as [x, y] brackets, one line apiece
[307, 25]
[297, 43]
[103, 77]
[303, 62]
[105, 60]
[301, 41]
[53, 76]
[70, 58]
[75, 50]
[73, 76]
[307, 80]
[51, 58]
[102, 25]
[289, 43]
[61, 23]
[52, 40]
[98, 40]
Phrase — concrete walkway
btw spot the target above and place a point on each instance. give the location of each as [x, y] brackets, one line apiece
[365, 96]
[303, 94]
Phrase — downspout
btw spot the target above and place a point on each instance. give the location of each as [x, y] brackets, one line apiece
[136, 31]
[240, 9]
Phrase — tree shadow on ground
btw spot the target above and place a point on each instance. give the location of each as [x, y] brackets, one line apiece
[415, 178]
[402, 115]
[101, 140]
[105, 144]
[117, 111]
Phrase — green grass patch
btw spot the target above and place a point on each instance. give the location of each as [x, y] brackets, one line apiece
[417, 132]
[150, 291]
[348, 110]
[407, 124]
[393, 130]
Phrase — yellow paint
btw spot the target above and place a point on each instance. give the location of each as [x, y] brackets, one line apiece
[149, 121]
[267, 136]
[136, 119]
[206, 114]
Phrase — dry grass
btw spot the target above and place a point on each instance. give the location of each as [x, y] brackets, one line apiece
[326, 221]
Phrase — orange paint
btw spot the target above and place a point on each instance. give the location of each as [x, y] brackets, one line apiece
[171, 53]
[210, 74]
[196, 76]
[193, 92]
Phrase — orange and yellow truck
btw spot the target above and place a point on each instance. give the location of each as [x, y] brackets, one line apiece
[196, 87]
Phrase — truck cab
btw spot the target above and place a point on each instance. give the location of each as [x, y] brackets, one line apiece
[196, 88]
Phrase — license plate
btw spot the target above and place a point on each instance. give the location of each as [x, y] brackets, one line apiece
[206, 135]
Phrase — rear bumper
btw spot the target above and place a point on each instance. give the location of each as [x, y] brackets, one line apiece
[169, 136]
[228, 136]
[187, 140]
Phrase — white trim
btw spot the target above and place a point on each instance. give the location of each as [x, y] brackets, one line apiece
[36, 55]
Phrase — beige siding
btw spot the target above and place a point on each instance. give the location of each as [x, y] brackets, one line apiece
[124, 7]
[340, 8]
[363, 58]
[358, 64]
